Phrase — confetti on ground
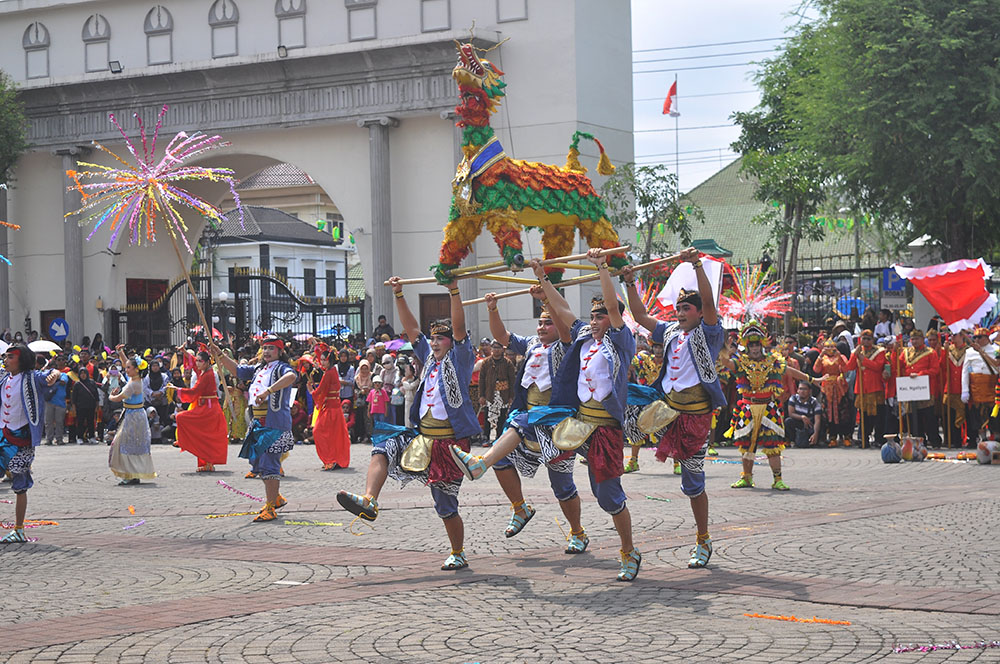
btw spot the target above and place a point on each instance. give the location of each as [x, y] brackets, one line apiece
[662, 500]
[223, 516]
[951, 645]
[134, 525]
[29, 523]
[759, 461]
[312, 523]
[131, 509]
[291, 583]
[240, 493]
[814, 619]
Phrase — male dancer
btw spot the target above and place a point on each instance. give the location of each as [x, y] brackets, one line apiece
[22, 417]
[951, 376]
[979, 381]
[689, 384]
[444, 410]
[869, 386]
[592, 382]
[270, 434]
[921, 360]
[757, 419]
[523, 447]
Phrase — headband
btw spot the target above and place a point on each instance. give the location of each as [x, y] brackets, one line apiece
[692, 297]
[273, 341]
[442, 329]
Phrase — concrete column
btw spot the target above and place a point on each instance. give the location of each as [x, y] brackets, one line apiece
[4, 274]
[378, 155]
[72, 247]
[468, 287]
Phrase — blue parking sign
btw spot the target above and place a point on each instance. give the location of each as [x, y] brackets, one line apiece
[892, 282]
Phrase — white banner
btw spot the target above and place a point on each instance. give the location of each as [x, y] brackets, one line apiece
[913, 388]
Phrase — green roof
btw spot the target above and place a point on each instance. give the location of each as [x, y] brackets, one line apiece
[727, 200]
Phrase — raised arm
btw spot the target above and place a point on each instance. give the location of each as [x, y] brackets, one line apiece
[458, 330]
[228, 363]
[558, 306]
[565, 335]
[607, 288]
[497, 328]
[708, 311]
[635, 305]
[410, 325]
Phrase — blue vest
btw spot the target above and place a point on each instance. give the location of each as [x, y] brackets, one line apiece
[704, 344]
[279, 414]
[526, 346]
[617, 347]
[461, 358]
[32, 386]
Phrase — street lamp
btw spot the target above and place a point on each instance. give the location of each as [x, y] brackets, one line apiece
[227, 310]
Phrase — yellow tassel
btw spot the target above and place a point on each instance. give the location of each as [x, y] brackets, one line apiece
[996, 410]
[573, 161]
[729, 432]
[604, 165]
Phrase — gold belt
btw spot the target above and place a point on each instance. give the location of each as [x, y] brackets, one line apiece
[133, 406]
[434, 428]
[593, 412]
[693, 400]
[538, 398]
[259, 412]
[982, 387]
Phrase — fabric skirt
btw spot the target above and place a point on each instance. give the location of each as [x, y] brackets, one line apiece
[202, 431]
[129, 457]
[333, 442]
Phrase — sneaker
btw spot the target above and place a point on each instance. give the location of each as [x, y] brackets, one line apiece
[632, 465]
[701, 554]
[280, 502]
[16, 535]
[266, 514]
[472, 466]
[742, 483]
[362, 506]
[779, 485]
[577, 543]
[677, 467]
[630, 565]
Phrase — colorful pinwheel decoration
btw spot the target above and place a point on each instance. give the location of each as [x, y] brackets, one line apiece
[752, 298]
[136, 195]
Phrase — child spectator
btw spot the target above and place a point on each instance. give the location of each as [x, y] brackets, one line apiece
[349, 418]
[378, 400]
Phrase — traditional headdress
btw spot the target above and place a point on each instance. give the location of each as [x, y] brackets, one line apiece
[272, 340]
[752, 331]
[692, 297]
[597, 306]
[442, 328]
[545, 314]
[981, 332]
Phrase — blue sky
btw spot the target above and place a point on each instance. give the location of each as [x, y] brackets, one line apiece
[708, 96]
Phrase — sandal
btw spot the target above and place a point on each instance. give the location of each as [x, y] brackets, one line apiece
[742, 483]
[632, 465]
[779, 485]
[577, 543]
[630, 565]
[472, 466]
[280, 502]
[677, 467]
[701, 554]
[362, 506]
[16, 535]
[518, 522]
[455, 561]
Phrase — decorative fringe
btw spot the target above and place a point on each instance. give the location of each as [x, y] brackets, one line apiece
[573, 161]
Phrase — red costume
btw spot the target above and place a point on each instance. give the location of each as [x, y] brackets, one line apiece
[202, 430]
[333, 443]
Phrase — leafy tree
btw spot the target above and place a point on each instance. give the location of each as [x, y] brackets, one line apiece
[646, 198]
[901, 105]
[13, 128]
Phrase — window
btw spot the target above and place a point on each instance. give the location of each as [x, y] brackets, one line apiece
[96, 43]
[224, 17]
[159, 27]
[291, 22]
[282, 273]
[435, 15]
[361, 19]
[309, 282]
[36, 51]
[331, 283]
[512, 10]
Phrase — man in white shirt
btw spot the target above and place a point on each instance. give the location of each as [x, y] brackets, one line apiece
[979, 380]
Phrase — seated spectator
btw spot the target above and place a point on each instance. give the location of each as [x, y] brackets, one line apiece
[802, 418]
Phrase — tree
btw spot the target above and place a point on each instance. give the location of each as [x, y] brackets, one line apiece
[13, 128]
[901, 105]
[646, 198]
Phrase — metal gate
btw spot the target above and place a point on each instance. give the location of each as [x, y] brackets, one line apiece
[260, 301]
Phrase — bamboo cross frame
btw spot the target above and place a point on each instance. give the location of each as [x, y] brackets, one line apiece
[574, 281]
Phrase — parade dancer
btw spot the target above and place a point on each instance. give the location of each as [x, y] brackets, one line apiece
[689, 384]
[22, 417]
[869, 386]
[757, 419]
[446, 417]
[979, 381]
[333, 442]
[920, 360]
[832, 365]
[202, 429]
[954, 409]
[129, 457]
[522, 448]
[270, 434]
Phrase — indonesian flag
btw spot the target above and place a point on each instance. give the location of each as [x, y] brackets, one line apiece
[956, 290]
[684, 277]
[671, 101]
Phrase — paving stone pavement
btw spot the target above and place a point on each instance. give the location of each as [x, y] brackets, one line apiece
[905, 553]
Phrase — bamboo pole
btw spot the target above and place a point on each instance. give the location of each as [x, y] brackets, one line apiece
[465, 275]
[573, 266]
[504, 277]
[861, 384]
[579, 257]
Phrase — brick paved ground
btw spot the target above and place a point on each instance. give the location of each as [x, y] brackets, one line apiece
[906, 553]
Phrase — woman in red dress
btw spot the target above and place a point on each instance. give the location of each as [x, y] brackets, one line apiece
[333, 443]
[202, 430]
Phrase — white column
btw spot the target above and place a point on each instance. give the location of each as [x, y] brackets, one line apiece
[378, 155]
[72, 246]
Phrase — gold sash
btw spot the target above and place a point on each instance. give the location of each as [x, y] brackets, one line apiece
[259, 412]
[982, 388]
[417, 456]
[655, 416]
[593, 412]
[692, 400]
[538, 398]
[132, 406]
[435, 428]
[571, 433]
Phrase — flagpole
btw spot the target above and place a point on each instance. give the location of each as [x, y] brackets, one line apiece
[677, 142]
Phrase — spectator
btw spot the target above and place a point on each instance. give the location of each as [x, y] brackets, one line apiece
[383, 327]
[496, 389]
[802, 417]
[86, 396]
[154, 390]
[378, 401]
[349, 418]
[55, 405]
[883, 328]
[409, 385]
[390, 381]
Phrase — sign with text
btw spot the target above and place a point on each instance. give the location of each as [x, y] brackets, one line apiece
[913, 388]
[893, 302]
[892, 282]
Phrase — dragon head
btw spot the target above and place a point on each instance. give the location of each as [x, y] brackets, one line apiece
[479, 85]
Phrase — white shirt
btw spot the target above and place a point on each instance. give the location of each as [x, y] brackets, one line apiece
[432, 399]
[536, 368]
[975, 364]
[12, 413]
[680, 371]
[261, 382]
[882, 329]
[595, 374]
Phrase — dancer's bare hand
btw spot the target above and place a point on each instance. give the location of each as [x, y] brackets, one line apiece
[689, 255]
[538, 269]
[595, 257]
[396, 284]
[537, 292]
[491, 300]
[627, 274]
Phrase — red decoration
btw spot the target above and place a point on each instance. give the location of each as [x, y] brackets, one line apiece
[956, 290]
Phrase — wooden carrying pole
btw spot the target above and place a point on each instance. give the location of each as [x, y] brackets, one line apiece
[861, 385]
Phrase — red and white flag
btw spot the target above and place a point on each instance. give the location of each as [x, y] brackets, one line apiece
[670, 103]
[956, 290]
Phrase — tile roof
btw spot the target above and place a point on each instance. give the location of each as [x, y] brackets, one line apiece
[262, 224]
[277, 175]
